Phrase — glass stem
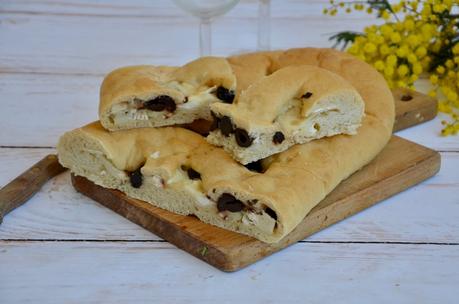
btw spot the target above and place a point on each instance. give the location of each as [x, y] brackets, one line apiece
[205, 37]
[264, 27]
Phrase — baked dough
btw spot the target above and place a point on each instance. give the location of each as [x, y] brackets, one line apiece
[178, 170]
[173, 168]
[154, 96]
[294, 105]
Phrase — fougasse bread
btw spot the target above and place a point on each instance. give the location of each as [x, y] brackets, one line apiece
[154, 96]
[293, 105]
[176, 169]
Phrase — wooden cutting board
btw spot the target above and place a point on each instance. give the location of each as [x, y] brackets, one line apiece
[399, 166]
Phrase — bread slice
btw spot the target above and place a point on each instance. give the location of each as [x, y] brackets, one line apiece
[175, 169]
[154, 96]
[294, 105]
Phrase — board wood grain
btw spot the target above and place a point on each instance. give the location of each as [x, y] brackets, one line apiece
[400, 165]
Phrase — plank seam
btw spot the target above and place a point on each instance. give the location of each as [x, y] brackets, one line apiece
[83, 74]
[66, 14]
[27, 147]
[164, 241]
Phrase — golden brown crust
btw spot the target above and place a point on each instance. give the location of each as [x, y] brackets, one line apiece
[295, 180]
[251, 67]
[265, 100]
[208, 71]
[365, 79]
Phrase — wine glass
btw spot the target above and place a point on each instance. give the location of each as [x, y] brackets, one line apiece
[264, 25]
[206, 10]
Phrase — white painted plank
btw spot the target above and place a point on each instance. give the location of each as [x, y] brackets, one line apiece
[37, 109]
[15, 161]
[159, 8]
[425, 213]
[429, 135]
[85, 37]
[82, 272]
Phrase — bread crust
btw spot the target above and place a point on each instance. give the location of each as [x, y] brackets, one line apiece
[294, 181]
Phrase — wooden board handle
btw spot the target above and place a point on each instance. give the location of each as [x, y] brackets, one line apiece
[412, 108]
[19, 190]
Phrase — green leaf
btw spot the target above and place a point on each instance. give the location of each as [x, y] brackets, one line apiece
[344, 38]
[380, 5]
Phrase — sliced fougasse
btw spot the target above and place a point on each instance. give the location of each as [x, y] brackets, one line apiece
[154, 96]
[291, 106]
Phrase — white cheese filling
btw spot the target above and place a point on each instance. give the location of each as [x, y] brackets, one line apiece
[201, 99]
[198, 101]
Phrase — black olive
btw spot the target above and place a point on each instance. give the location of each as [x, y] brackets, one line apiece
[225, 95]
[226, 126]
[228, 202]
[278, 137]
[136, 178]
[242, 138]
[161, 103]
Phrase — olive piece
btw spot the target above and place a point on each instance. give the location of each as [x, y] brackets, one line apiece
[228, 202]
[161, 103]
[278, 138]
[226, 127]
[225, 95]
[242, 138]
[136, 178]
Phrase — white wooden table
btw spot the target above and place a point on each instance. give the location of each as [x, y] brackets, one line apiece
[64, 248]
